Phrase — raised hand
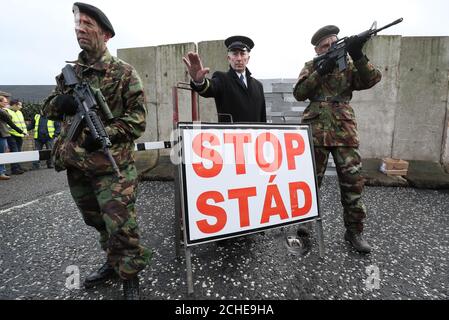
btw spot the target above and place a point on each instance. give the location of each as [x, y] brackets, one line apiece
[195, 67]
[354, 46]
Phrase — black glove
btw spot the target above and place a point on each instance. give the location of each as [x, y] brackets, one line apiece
[354, 45]
[90, 144]
[325, 66]
[66, 104]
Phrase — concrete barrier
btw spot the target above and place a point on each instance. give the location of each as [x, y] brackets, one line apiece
[422, 98]
[375, 108]
[213, 56]
[145, 62]
[404, 116]
[161, 68]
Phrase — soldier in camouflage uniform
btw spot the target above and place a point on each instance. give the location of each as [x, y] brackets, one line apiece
[106, 202]
[333, 123]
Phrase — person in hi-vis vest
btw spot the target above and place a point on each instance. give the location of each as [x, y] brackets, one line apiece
[5, 124]
[45, 131]
[15, 141]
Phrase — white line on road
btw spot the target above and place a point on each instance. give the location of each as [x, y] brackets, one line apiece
[28, 203]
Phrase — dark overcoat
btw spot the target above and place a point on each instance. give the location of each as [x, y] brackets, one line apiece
[232, 98]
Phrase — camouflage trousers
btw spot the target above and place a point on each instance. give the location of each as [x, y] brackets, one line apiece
[349, 166]
[108, 205]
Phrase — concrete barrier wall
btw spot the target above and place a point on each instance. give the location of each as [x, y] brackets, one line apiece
[161, 68]
[422, 98]
[375, 108]
[144, 60]
[170, 71]
[404, 116]
[213, 56]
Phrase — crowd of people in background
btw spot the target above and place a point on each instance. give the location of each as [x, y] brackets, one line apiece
[14, 129]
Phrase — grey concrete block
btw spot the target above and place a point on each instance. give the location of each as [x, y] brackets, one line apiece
[282, 87]
[421, 104]
[274, 97]
[298, 109]
[213, 57]
[376, 108]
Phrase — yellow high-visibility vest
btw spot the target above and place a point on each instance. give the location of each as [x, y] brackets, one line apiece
[50, 126]
[19, 120]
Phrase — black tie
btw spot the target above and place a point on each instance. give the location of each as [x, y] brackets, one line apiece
[242, 80]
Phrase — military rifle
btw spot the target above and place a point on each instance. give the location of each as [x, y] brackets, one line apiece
[338, 49]
[89, 101]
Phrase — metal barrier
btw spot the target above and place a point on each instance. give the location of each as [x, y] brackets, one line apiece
[28, 156]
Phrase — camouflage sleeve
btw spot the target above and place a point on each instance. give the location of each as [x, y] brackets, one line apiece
[48, 105]
[307, 83]
[365, 74]
[132, 123]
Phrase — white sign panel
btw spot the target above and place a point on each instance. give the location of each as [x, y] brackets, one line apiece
[240, 179]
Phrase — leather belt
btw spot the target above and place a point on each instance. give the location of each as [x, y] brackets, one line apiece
[329, 99]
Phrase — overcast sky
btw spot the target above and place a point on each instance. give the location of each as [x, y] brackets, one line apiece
[38, 36]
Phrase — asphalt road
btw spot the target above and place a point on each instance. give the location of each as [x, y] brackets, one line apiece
[43, 236]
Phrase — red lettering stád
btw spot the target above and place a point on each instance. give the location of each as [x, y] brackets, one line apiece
[242, 195]
[279, 207]
[294, 187]
[212, 211]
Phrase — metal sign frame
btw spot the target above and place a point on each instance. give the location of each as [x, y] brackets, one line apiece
[181, 215]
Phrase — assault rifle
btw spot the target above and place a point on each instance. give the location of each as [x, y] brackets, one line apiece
[89, 101]
[338, 49]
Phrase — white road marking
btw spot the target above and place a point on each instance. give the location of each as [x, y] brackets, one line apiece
[29, 203]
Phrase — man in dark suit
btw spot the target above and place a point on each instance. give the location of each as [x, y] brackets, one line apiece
[238, 96]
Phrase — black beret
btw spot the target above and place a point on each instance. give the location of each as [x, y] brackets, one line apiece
[323, 33]
[95, 14]
[239, 42]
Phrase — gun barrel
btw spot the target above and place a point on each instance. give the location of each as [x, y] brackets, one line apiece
[390, 24]
[114, 164]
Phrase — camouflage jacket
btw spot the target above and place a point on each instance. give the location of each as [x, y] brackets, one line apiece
[329, 113]
[123, 91]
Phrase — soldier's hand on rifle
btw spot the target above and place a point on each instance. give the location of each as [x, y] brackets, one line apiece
[66, 104]
[195, 67]
[89, 143]
[325, 66]
[354, 45]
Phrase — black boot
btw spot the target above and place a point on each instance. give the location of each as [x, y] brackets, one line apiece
[131, 289]
[358, 242]
[103, 274]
